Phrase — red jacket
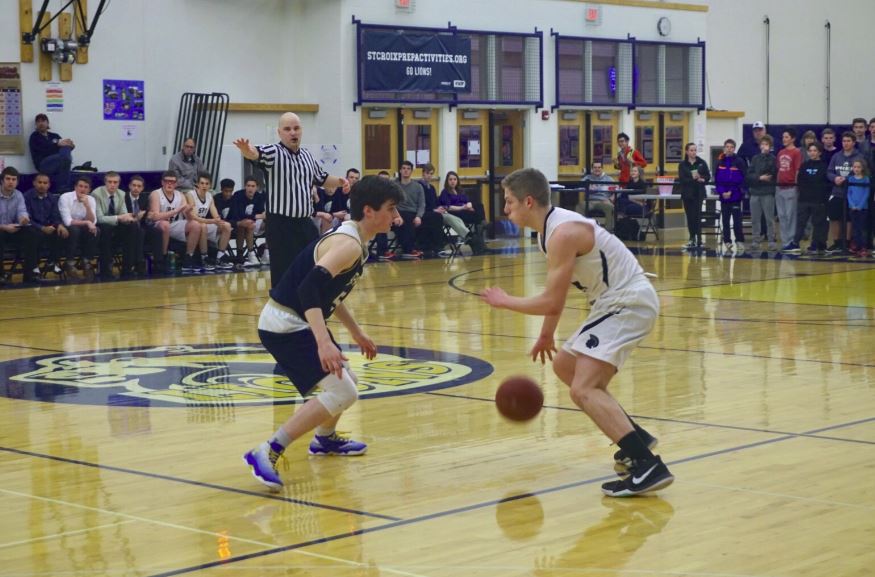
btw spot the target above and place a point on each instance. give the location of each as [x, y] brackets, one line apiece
[624, 161]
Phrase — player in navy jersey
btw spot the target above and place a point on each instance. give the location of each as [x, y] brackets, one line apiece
[292, 328]
[624, 309]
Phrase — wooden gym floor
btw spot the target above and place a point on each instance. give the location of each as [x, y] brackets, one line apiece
[126, 408]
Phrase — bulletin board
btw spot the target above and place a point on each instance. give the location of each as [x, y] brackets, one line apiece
[11, 125]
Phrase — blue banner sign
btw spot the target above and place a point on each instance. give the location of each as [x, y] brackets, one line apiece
[415, 61]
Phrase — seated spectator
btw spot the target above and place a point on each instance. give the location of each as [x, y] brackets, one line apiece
[215, 230]
[451, 196]
[322, 217]
[42, 207]
[187, 165]
[384, 174]
[599, 195]
[15, 227]
[172, 216]
[117, 226]
[410, 212]
[729, 177]
[340, 200]
[223, 201]
[249, 210]
[137, 204]
[51, 154]
[430, 235]
[628, 206]
[79, 214]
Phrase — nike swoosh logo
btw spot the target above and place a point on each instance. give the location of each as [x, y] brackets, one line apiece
[638, 480]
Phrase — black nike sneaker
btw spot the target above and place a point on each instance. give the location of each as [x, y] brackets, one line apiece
[644, 477]
[622, 462]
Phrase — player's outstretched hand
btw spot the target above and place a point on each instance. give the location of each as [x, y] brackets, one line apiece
[494, 297]
[332, 358]
[369, 349]
[544, 347]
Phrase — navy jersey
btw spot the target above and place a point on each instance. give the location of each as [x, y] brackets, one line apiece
[286, 292]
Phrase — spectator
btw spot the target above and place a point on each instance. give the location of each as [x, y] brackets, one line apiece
[627, 157]
[137, 204]
[693, 174]
[452, 196]
[340, 201]
[729, 175]
[384, 174]
[828, 140]
[807, 138]
[215, 230]
[840, 167]
[631, 207]
[787, 196]
[79, 214]
[813, 197]
[751, 147]
[187, 165]
[116, 224]
[224, 200]
[871, 158]
[762, 174]
[858, 204]
[171, 216]
[322, 202]
[51, 154]
[410, 211]
[42, 207]
[15, 227]
[598, 195]
[431, 234]
[249, 210]
[859, 128]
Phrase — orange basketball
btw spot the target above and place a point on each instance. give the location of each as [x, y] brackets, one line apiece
[519, 398]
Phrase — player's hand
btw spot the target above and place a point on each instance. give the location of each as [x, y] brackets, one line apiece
[331, 358]
[494, 297]
[544, 347]
[417, 221]
[344, 184]
[369, 349]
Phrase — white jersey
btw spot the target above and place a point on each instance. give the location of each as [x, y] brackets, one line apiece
[202, 208]
[607, 269]
[166, 205]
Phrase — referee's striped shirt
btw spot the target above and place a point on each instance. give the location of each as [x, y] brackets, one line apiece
[290, 176]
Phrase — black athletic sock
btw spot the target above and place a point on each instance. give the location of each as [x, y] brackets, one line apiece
[635, 448]
[645, 436]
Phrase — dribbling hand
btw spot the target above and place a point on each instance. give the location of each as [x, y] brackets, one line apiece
[369, 349]
[544, 347]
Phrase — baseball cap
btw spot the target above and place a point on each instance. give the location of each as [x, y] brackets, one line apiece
[759, 124]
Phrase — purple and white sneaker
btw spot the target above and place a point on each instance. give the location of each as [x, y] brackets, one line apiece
[262, 462]
[335, 444]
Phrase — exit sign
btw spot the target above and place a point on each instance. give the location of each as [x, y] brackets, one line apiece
[593, 14]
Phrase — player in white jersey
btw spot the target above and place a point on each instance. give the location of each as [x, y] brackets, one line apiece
[171, 215]
[624, 309]
[215, 230]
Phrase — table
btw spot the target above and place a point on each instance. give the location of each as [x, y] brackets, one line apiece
[664, 197]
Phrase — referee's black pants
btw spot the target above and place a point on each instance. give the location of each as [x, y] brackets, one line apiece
[286, 237]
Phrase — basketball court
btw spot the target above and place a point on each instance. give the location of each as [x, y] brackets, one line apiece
[127, 406]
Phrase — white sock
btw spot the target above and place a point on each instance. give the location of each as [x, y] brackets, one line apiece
[324, 431]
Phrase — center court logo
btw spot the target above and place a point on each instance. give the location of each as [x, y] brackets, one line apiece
[225, 374]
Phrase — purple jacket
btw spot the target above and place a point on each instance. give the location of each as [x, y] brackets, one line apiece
[729, 177]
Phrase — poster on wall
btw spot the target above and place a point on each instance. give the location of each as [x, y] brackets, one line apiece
[415, 61]
[123, 100]
[11, 130]
[54, 97]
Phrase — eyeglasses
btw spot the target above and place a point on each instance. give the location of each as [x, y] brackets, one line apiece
[169, 181]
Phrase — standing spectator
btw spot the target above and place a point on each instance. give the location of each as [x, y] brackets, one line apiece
[291, 170]
[627, 157]
[15, 227]
[693, 174]
[51, 154]
[861, 137]
[79, 214]
[410, 211]
[599, 195]
[762, 174]
[787, 196]
[42, 207]
[813, 195]
[751, 147]
[828, 140]
[729, 176]
[215, 230]
[858, 205]
[249, 211]
[116, 225]
[187, 165]
[172, 218]
[840, 167]
[871, 158]
[137, 204]
[807, 138]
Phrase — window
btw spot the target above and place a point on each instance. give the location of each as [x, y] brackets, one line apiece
[418, 144]
[378, 153]
[469, 147]
[569, 146]
[603, 145]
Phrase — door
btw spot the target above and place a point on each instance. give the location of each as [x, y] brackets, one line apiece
[647, 142]
[603, 137]
[572, 144]
[675, 135]
[380, 140]
[421, 137]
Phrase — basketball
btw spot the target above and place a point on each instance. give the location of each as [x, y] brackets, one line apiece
[519, 398]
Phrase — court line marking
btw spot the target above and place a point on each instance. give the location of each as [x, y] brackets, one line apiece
[30, 348]
[162, 477]
[136, 518]
[64, 534]
[475, 506]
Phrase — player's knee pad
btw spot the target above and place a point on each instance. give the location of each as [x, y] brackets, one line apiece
[337, 394]
[352, 375]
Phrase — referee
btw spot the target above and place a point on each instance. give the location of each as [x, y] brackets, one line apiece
[291, 173]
